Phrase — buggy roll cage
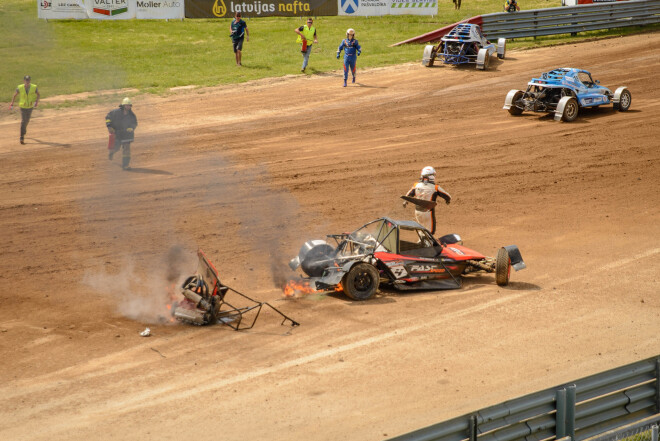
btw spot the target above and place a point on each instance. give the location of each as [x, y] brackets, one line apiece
[231, 315]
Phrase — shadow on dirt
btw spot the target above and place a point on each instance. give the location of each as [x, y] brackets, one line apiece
[52, 144]
[585, 115]
[370, 87]
[149, 171]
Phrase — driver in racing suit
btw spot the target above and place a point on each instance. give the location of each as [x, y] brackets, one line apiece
[426, 189]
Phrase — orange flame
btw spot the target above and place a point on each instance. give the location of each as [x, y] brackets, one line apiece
[301, 288]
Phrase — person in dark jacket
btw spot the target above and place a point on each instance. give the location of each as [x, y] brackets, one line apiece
[121, 124]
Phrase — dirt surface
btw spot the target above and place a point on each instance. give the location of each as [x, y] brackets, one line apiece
[248, 173]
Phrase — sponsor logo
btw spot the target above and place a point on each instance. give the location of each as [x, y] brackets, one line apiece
[219, 8]
[110, 7]
[426, 269]
[153, 4]
[44, 4]
[349, 6]
[257, 8]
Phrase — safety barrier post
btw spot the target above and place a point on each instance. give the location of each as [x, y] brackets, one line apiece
[560, 416]
[657, 385]
[570, 410]
[473, 428]
[654, 432]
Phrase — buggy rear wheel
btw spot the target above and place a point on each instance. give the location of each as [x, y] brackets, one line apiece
[570, 110]
[361, 282]
[502, 267]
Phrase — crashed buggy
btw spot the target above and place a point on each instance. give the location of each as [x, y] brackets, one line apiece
[464, 44]
[402, 254]
[563, 92]
[206, 301]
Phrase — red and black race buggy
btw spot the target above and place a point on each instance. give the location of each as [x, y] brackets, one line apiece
[205, 301]
[402, 254]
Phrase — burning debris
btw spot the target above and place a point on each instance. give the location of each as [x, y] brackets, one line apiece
[296, 288]
[205, 301]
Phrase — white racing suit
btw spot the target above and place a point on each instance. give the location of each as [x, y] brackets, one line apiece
[427, 191]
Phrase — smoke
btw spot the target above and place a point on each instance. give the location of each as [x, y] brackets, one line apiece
[145, 294]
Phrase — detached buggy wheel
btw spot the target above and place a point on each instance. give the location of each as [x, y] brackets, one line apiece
[502, 267]
[570, 110]
[361, 281]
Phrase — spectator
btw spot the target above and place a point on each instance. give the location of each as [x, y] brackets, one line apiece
[239, 31]
[511, 6]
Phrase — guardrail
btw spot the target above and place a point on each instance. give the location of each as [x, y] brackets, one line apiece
[551, 21]
[579, 410]
[571, 19]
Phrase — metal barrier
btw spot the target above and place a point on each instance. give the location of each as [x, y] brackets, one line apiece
[551, 21]
[571, 19]
[579, 410]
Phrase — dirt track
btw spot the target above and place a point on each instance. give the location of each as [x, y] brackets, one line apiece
[248, 173]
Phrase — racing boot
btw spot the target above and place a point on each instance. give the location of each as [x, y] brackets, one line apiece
[353, 79]
[344, 83]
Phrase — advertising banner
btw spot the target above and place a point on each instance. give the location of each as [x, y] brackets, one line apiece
[387, 7]
[259, 8]
[111, 9]
[159, 9]
[61, 9]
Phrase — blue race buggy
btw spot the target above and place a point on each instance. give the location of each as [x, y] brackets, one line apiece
[563, 92]
[464, 44]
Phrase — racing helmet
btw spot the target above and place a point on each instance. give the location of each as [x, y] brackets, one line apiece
[126, 102]
[428, 172]
[350, 32]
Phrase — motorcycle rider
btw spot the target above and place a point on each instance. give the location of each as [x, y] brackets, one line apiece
[427, 190]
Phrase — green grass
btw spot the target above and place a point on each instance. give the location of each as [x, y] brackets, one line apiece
[69, 56]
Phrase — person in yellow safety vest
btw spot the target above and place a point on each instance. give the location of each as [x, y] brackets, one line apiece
[29, 99]
[306, 36]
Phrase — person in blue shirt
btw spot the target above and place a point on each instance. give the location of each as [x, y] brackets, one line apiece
[239, 31]
[352, 50]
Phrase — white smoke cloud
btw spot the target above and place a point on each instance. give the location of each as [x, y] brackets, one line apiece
[143, 294]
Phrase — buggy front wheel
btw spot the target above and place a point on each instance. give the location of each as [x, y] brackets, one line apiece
[361, 282]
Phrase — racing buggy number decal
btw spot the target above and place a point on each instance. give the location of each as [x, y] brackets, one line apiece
[399, 271]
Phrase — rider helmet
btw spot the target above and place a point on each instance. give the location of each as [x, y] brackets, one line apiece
[126, 102]
[350, 33]
[428, 173]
